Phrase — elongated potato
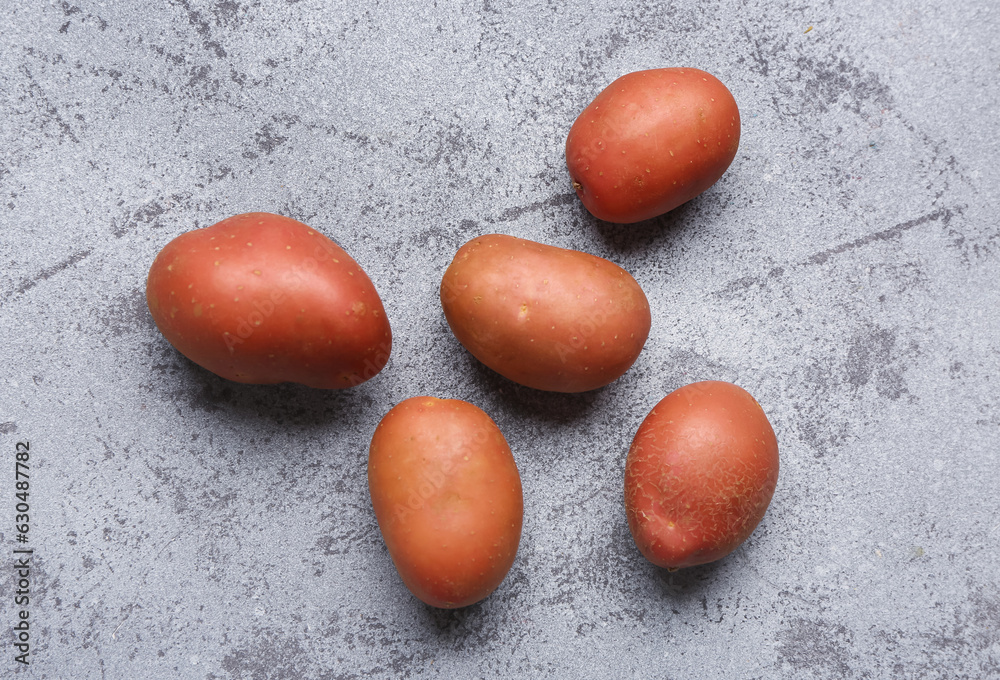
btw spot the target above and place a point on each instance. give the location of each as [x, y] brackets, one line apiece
[545, 317]
[447, 496]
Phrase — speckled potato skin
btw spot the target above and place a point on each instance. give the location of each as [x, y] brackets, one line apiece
[261, 298]
[651, 141]
[447, 496]
[545, 317]
[699, 475]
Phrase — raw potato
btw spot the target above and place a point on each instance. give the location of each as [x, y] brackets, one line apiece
[447, 497]
[261, 298]
[651, 141]
[700, 474]
[545, 317]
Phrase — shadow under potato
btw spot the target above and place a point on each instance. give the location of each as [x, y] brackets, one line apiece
[281, 403]
[449, 620]
[525, 403]
[648, 234]
[471, 627]
[690, 582]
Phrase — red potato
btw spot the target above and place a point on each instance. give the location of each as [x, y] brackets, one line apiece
[261, 298]
[447, 497]
[545, 317]
[699, 475]
[651, 141]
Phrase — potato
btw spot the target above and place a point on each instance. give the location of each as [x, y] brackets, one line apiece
[262, 298]
[651, 141]
[545, 317]
[700, 474]
[447, 497]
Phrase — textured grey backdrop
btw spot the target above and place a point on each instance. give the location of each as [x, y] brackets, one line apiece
[845, 271]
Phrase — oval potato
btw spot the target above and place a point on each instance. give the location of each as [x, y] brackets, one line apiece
[262, 298]
[700, 474]
[447, 497]
[650, 141]
[545, 317]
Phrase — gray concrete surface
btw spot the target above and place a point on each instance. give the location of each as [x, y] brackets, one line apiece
[845, 271]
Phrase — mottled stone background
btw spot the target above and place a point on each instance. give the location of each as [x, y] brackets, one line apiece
[845, 271]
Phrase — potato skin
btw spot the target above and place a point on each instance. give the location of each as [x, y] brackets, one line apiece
[447, 497]
[700, 474]
[262, 298]
[651, 141]
[545, 317]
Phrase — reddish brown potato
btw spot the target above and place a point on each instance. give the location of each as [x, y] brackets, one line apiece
[699, 475]
[545, 317]
[651, 141]
[261, 298]
[447, 497]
